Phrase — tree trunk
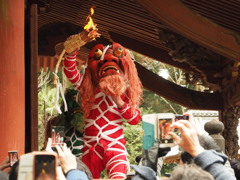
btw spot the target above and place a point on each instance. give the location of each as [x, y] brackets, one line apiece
[230, 120]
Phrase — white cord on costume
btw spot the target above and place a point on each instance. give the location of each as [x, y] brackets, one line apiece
[105, 135]
[57, 106]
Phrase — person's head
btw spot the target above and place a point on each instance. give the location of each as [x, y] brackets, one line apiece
[207, 142]
[143, 173]
[190, 171]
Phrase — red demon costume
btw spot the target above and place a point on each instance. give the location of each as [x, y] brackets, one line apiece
[110, 92]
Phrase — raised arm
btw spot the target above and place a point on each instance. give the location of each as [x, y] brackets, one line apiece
[72, 46]
[210, 161]
[70, 69]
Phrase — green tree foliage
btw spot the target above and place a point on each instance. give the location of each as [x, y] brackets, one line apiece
[153, 101]
[46, 101]
[134, 135]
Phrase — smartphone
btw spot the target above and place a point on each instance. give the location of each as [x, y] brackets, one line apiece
[57, 136]
[181, 117]
[44, 167]
[37, 165]
[13, 157]
[164, 123]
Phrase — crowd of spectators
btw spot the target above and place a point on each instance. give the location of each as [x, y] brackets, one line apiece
[201, 159]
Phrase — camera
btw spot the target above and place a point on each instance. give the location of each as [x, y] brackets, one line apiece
[37, 166]
[57, 136]
[13, 157]
[157, 126]
[164, 124]
[181, 117]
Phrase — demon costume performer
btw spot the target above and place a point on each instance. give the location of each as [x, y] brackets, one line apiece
[109, 91]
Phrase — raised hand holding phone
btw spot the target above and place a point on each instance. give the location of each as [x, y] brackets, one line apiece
[67, 159]
[189, 139]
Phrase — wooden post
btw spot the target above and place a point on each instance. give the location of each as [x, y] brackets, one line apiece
[12, 83]
[34, 77]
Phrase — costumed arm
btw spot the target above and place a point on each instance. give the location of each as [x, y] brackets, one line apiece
[70, 69]
[72, 45]
[132, 117]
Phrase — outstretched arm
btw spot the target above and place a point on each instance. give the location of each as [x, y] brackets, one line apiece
[210, 161]
[5, 164]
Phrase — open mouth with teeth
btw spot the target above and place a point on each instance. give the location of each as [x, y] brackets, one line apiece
[108, 70]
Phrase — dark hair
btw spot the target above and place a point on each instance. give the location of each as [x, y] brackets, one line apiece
[190, 171]
[13, 175]
[235, 164]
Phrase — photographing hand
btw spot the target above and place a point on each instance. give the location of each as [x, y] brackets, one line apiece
[189, 139]
[5, 163]
[60, 175]
[191, 120]
[66, 158]
[49, 145]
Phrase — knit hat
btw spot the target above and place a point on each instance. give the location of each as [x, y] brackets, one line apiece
[143, 173]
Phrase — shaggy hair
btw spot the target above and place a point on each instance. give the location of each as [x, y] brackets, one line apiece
[190, 171]
[133, 91]
[113, 85]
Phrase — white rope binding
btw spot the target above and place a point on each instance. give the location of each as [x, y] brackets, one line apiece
[59, 87]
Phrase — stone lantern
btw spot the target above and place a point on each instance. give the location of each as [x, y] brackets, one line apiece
[214, 129]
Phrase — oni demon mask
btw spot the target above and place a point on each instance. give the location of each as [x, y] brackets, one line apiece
[106, 60]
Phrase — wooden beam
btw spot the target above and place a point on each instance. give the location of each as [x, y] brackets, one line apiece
[160, 55]
[180, 95]
[193, 26]
[147, 50]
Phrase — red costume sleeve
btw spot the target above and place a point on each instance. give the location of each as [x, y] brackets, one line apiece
[70, 69]
[132, 118]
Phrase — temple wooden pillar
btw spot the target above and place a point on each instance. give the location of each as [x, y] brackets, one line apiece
[230, 119]
[12, 83]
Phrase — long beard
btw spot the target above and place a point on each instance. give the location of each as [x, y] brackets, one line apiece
[112, 85]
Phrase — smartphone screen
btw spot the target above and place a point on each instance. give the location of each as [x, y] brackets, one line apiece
[45, 167]
[180, 117]
[13, 157]
[165, 128]
[57, 135]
